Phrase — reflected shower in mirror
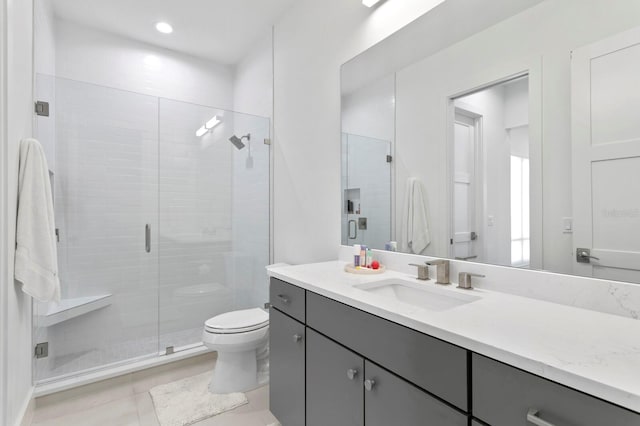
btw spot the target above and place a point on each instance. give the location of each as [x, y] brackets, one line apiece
[367, 161]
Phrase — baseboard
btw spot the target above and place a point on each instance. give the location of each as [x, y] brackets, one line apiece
[28, 408]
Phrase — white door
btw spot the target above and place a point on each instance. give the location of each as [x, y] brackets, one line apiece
[465, 237]
[606, 156]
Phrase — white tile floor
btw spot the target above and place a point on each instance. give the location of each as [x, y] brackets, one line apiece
[125, 400]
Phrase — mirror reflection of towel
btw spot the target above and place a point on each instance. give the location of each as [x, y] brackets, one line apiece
[36, 263]
[415, 228]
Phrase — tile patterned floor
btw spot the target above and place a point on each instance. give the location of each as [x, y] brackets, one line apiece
[125, 400]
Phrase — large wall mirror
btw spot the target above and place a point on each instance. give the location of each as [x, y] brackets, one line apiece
[504, 132]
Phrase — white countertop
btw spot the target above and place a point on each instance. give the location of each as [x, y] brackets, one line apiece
[594, 352]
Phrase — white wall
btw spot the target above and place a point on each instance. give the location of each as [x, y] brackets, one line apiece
[311, 41]
[100, 58]
[370, 110]
[253, 79]
[15, 308]
[544, 34]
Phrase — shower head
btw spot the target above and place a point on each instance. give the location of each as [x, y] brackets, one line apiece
[237, 142]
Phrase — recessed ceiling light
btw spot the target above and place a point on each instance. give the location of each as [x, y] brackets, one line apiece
[164, 28]
[370, 3]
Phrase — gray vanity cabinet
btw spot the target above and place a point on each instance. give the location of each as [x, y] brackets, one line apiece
[506, 396]
[287, 369]
[334, 383]
[389, 400]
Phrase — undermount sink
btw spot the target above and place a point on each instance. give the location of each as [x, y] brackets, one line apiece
[425, 296]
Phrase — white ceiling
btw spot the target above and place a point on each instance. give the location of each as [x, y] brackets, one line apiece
[219, 30]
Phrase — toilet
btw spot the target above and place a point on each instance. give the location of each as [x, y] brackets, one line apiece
[241, 340]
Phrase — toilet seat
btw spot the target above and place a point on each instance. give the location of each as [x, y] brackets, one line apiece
[235, 322]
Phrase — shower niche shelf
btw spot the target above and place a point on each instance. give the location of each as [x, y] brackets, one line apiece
[72, 308]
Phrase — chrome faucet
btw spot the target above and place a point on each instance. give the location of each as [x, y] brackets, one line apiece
[442, 271]
[423, 271]
[464, 280]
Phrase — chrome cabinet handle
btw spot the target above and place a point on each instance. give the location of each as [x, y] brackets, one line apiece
[147, 238]
[284, 299]
[297, 338]
[534, 419]
[369, 384]
[352, 373]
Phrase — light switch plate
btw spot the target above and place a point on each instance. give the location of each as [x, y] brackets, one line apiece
[567, 225]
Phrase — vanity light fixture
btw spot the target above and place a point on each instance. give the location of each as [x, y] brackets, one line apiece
[213, 122]
[370, 3]
[164, 28]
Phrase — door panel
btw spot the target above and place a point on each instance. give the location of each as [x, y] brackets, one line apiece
[464, 208]
[606, 147]
[286, 364]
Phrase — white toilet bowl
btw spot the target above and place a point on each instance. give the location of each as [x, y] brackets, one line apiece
[241, 339]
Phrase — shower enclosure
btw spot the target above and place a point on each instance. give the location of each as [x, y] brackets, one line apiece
[366, 191]
[162, 222]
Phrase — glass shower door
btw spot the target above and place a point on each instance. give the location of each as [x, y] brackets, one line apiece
[101, 145]
[214, 217]
[366, 191]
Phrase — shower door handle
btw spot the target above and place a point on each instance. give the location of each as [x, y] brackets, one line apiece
[147, 238]
[355, 230]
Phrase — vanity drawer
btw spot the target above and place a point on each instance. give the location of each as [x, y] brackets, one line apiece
[287, 298]
[436, 366]
[503, 396]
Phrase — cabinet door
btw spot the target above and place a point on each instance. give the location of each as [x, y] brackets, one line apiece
[392, 401]
[287, 363]
[334, 383]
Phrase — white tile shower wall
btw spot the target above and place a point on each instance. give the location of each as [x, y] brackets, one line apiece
[195, 219]
[253, 94]
[250, 213]
[106, 191]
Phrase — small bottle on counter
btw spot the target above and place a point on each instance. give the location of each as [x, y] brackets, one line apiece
[356, 255]
[363, 256]
[369, 258]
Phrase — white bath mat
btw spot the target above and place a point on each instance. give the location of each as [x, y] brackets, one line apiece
[188, 401]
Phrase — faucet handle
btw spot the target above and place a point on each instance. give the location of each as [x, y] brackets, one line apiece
[442, 270]
[437, 262]
[464, 280]
[423, 271]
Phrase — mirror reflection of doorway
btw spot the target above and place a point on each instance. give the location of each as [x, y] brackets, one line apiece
[490, 219]
[467, 193]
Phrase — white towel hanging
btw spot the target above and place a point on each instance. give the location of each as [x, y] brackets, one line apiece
[415, 227]
[36, 262]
